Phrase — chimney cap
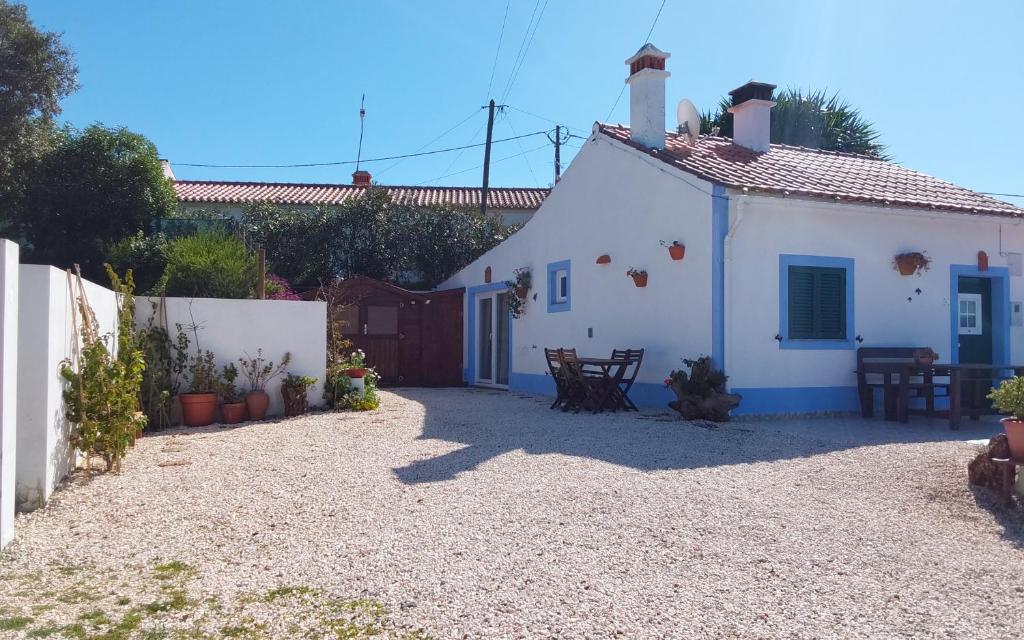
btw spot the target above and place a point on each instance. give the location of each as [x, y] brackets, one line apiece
[752, 91]
[648, 50]
[361, 178]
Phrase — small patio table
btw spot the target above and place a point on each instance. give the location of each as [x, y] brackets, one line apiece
[607, 393]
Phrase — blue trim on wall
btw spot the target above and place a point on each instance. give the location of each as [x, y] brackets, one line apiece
[553, 268]
[471, 293]
[719, 230]
[796, 400]
[786, 261]
[1001, 315]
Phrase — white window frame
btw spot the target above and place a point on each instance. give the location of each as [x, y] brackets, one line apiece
[561, 285]
[978, 312]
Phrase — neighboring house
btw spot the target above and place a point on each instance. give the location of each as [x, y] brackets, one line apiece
[789, 262]
[513, 205]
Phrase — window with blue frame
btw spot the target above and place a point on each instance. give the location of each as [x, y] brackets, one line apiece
[559, 286]
[815, 302]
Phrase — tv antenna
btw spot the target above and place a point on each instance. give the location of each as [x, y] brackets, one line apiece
[362, 120]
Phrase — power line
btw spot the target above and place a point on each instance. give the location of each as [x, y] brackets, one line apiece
[461, 122]
[539, 117]
[1006, 195]
[501, 35]
[529, 166]
[459, 155]
[521, 57]
[646, 40]
[515, 155]
[343, 162]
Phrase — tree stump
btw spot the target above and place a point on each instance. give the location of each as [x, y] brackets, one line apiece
[715, 406]
[982, 471]
[295, 403]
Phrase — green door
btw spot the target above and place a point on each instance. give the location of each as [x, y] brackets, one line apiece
[974, 304]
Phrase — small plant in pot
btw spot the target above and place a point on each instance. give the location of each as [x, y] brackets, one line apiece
[1008, 398]
[519, 288]
[676, 249]
[639, 276]
[293, 390]
[258, 371]
[910, 263]
[233, 408]
[354, 365]
[199, 403]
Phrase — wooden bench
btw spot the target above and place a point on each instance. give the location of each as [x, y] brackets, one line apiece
[879, 368]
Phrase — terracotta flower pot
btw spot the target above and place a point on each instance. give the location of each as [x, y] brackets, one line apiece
[233, 412]
[1014, 429]
[907, 264]
[604, 259]
[640, 279]
[356, 373]
[521, 293]
[257, 402]
[198, 409]
[677, 251]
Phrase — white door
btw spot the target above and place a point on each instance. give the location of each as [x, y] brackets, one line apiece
[492, 339]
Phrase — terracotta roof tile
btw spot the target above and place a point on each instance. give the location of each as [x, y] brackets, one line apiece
[215, 192]
[814, 173]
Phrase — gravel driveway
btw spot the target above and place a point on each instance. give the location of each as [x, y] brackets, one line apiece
[458, 513]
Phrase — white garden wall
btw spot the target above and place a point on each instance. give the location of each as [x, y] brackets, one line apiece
[232, 328]
[612, 200]
[44, 454]
[8, 385]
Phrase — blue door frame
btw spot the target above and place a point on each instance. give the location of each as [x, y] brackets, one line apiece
[1000, 277]
[471, 302]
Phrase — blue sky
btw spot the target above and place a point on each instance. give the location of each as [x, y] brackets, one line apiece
[231, 82]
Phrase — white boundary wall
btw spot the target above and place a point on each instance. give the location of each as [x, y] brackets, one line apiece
[8, 384]
[45, 318]
[232, 328]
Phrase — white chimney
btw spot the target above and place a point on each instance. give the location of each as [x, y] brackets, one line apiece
[647, 96]
[166, 166]
[752, 115]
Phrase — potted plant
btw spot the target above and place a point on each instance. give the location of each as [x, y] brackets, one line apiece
[355, 364]
[199, 403]
[1009, 399]
[910, 263]
[233, 408]
[676, 250]
[639, 276]
[293, 390]
[258, 371]
[518, 289]
[604, 259]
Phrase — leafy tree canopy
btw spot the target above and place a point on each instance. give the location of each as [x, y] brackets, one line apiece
[94, 188]
[813, 119]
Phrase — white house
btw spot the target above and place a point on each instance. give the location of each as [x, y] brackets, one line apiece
[788, 267]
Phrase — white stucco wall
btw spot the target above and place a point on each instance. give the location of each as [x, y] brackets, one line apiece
[44, 455]
[888, 310]
[232, 328]
[9, 270]
[612, 200]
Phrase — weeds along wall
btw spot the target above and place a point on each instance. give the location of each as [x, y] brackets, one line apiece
[46, 317]
[233, 328]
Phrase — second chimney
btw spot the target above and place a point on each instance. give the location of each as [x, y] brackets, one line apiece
[361, 178]
[752, 115]
[647, 96]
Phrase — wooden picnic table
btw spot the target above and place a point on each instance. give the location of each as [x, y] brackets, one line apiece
[976, 378]
[610, 371]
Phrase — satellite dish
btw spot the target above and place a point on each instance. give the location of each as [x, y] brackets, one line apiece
[689, 120]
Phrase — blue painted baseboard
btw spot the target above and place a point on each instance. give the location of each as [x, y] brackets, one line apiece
[797, 400]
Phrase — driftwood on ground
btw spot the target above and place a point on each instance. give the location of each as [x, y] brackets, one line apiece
[982, 471]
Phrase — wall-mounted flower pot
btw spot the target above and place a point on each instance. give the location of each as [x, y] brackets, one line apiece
[605, 259]
[358, 372]
[639, 279]
[233, 412]
[256, 402]
[677, 251]
[198, 409]
[521, 292]
[910, 263]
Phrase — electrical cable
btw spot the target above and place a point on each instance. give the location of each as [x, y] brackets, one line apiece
[501, 35]
[480, 166]
[520, 60]
[462, 122]
[646, 40]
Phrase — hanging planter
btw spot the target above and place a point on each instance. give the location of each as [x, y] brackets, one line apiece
[676, 250]
[910, 263]
[604, 259]
[520, 289]
[639, 277]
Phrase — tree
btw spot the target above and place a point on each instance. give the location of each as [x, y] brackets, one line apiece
[36, 72]
[96, 187]
[210, 265]
[814, 120]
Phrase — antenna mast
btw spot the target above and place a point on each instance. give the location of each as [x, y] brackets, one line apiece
[362, 119]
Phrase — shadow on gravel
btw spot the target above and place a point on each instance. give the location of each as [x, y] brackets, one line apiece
[1011, 519]
[491, 423]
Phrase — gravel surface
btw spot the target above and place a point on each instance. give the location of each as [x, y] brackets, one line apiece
[458, 513]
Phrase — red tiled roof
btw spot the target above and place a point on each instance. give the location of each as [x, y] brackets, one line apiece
[291, 193]
[814, 173]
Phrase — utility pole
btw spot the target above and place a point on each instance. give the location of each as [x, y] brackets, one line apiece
[558, 141]
[487, 157]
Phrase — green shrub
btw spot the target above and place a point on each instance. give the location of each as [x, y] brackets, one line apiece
[210, 265]
[1008, 397]
[145, 255]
